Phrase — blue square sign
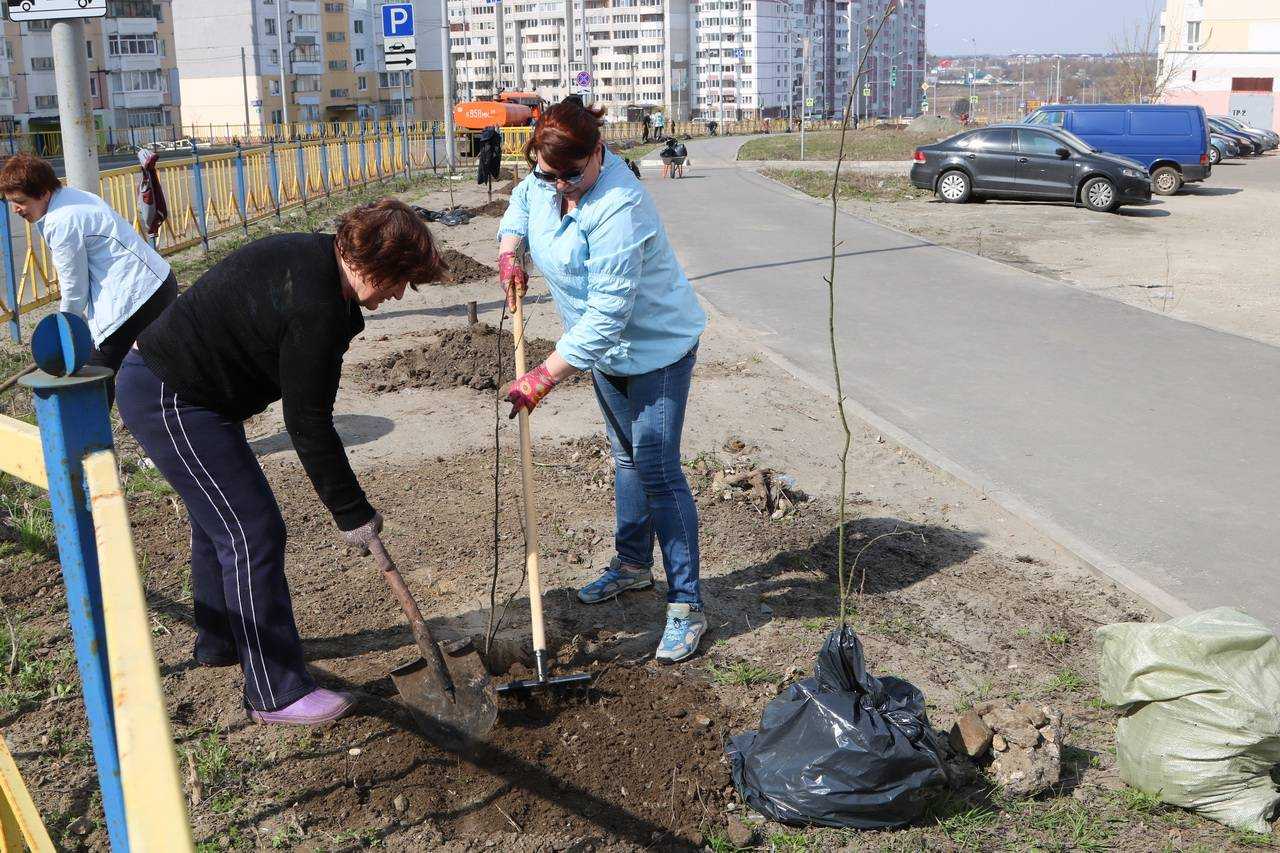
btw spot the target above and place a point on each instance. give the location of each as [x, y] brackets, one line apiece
[397, 20]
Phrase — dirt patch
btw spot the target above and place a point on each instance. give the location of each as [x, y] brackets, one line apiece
[495, 208]
[464, 268]
[452, 358]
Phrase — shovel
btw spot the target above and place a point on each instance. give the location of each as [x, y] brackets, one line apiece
[447, 689]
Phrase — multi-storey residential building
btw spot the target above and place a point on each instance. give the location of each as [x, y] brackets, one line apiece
[1223, 55]
[133, 78]
[232, 53]
[543, 47]
[713, 59]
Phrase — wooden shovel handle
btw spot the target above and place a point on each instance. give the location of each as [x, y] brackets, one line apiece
[526, 487]
[421, 633]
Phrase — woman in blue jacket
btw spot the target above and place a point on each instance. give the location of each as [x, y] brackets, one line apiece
[632, 319]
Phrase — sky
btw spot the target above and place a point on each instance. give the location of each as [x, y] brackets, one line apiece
[1029, 26]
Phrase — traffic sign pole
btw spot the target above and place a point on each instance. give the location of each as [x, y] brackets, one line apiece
[75, 113]
[450, 144]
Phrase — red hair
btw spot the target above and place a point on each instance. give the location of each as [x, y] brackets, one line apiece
[28, 174]
[566, 134]
[390, 245]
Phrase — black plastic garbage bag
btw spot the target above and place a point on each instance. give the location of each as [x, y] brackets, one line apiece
[842, 748]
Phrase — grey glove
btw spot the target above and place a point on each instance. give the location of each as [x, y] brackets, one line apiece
[361, 537]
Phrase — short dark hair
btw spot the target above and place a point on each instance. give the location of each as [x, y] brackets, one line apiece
[567, 133]
[28, 174]
[390, 245]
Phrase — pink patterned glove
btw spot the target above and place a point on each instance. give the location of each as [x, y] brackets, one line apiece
[528, 390]
[511, 272]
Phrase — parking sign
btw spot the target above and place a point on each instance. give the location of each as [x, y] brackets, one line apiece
[397, 20]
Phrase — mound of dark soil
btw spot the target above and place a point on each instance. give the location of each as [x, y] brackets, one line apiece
[464, 268]
[495, 208]
[636, 759]
[454, 358]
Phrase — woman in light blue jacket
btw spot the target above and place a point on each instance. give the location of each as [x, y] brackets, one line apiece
[631, 318]
[107, 273]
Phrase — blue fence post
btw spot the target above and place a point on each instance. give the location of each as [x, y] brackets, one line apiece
[302, 174]
[324, 166]
[273, 170]
[242, 194]
[10, 274]
[111, 140]
[434, 161]
[346, 161]
[73, 419]
[197, 187]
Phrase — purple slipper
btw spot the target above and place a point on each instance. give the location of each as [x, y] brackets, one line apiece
[318, 706]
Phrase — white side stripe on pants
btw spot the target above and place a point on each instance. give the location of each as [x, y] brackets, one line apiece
[257, 679]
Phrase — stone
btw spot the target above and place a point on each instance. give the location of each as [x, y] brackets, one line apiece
[704, 722]
[1026, 772]
[1035, 714]
[1003, 718]
[400, 803]
[998, 743]
[1024, 736]
[986, 706]
[766, 610]
[740, 835]
[970, 735]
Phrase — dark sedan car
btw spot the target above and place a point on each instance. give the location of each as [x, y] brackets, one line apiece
[1017, 161]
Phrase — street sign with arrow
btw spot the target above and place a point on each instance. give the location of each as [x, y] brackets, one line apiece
[400, 53]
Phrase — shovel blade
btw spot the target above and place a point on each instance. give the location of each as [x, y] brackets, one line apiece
[468, 715]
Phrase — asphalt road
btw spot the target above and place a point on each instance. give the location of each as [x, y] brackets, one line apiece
[1146, 445]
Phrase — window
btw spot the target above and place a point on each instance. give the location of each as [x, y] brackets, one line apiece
[42, 63]
[1253, 84]
[1098, 122]
[131, 45]
[136, 81]
[1193, 35]
[306, 53]
[335, 37]
[1030, 142]
[271, 26]
[359, 55]
[333, 7]
[145, 118]
[362, 84]
[996, 141]
[309, 23]
[46, 102]
[88, 46]
[273, 86]
[337, 64]
[359, 26]
[275, 56]
[39, 26]
[339, 93]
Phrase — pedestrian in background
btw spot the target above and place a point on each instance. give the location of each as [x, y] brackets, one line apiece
[631, 318]
[270, 322]
[646, 125]
[107, 272]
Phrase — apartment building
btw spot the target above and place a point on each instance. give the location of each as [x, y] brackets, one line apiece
[621, 45]
[133, 76]
[711, 59]
[1223, 55]
[236, 54]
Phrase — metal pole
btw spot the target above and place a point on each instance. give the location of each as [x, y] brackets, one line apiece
[75, 112]
[284, 88]
[804, 89]
[244, 83]
[404, 124]
[446, 65]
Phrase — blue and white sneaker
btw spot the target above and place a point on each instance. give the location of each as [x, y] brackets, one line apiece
[685, 627]
[613, 583]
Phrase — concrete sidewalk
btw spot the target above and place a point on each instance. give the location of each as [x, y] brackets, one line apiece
[1146, 445]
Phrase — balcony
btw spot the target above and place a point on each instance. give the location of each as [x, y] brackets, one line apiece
[133, 62]
[306, 98]
[305, 67]
[304, 7]
[148, 98]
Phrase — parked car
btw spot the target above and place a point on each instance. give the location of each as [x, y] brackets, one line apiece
[1016, 161]
[1270, 138]
[1222, 148]
[1170, 141]
[1250, 145]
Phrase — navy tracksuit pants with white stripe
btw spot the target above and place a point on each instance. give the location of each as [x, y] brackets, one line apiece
[242, 605]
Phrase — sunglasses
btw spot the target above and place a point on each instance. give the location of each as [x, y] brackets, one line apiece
[573, 177]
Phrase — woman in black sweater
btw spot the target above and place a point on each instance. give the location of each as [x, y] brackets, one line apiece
[270, 322]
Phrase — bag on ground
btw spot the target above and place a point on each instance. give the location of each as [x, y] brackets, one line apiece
[842, 748]
[1200, 697]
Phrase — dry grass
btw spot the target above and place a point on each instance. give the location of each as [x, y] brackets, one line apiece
[878, 144]
[860, 186]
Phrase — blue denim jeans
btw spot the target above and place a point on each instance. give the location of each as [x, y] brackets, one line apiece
[644, 417]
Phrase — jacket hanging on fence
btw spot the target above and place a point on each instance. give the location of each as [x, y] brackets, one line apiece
[490, 155]
[152, 208]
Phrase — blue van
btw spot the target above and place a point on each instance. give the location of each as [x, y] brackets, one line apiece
[1172, 141]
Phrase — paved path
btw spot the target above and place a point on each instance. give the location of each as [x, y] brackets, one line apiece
[1148, 446]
